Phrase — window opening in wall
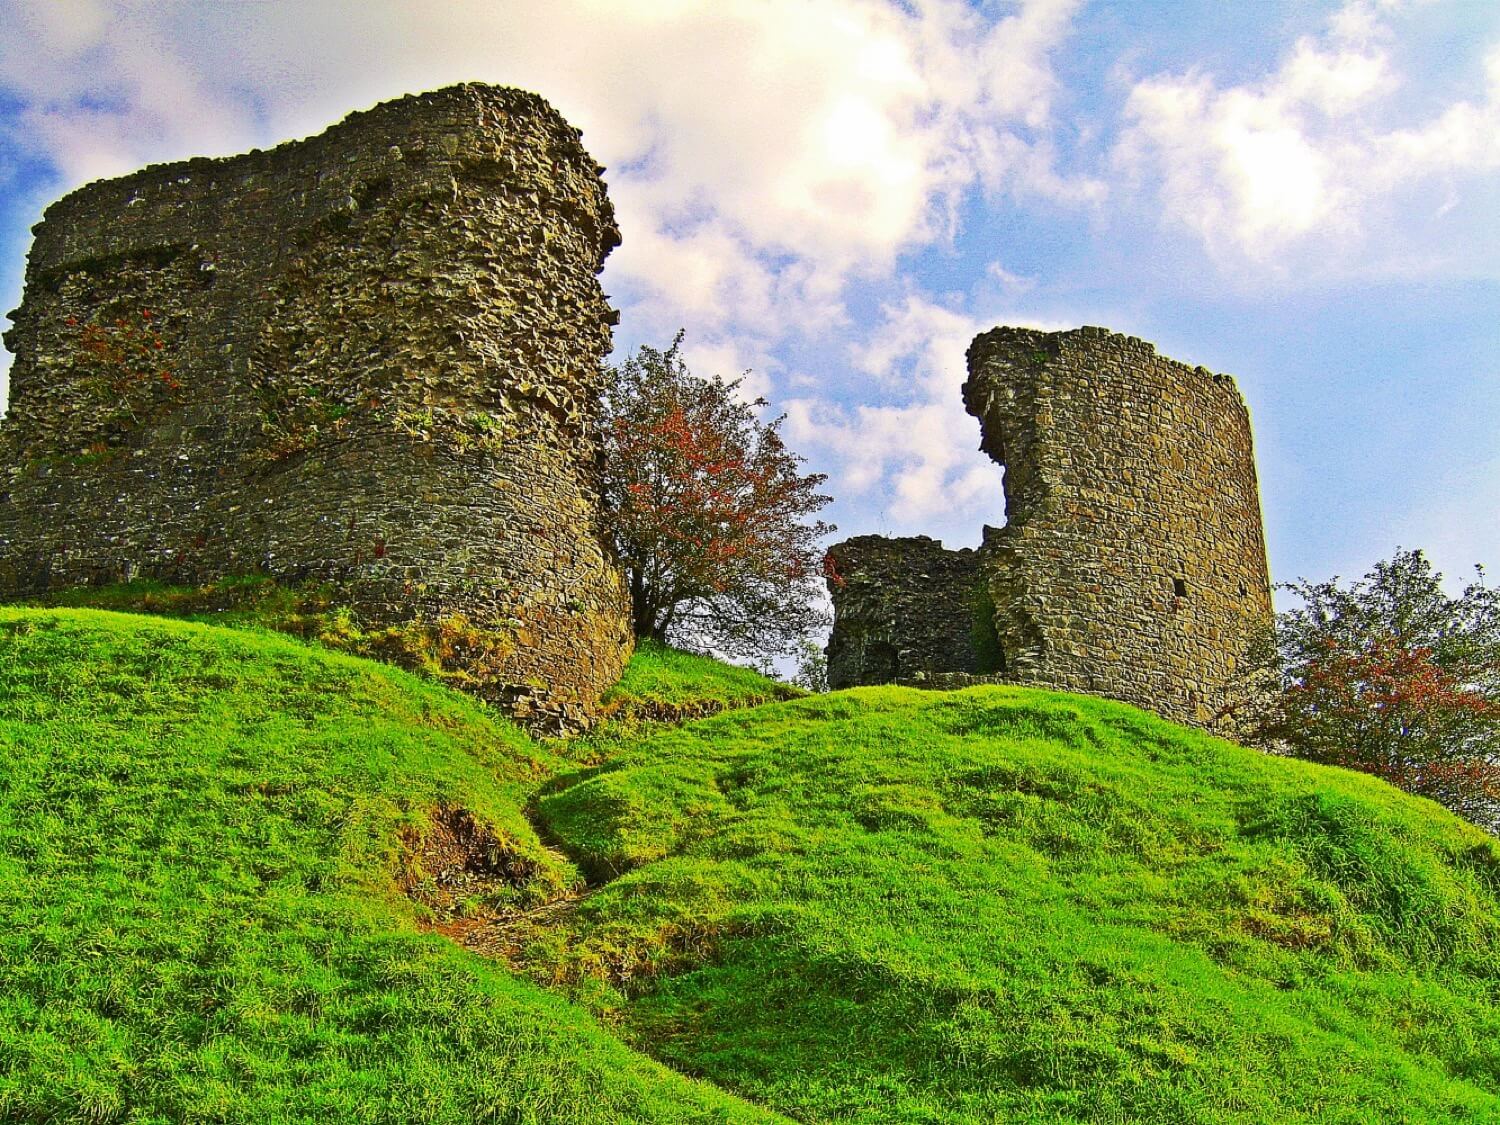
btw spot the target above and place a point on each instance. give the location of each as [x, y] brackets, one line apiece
[1179, 587]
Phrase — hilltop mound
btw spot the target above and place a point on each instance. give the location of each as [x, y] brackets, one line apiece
[241, 872]
[201, 869]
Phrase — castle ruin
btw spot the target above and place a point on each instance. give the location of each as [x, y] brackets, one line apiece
[371, 358]
[1132, 563]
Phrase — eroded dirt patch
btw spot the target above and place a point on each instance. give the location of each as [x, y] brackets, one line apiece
[462, 871]
[477, 890]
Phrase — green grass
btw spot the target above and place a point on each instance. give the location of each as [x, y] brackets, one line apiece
[449, 649]
[884, 905]
[198, 848]
[662, 683]
[248, 600]
[1007, 904]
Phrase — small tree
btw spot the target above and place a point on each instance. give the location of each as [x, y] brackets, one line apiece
[812, 666]
[709, 510]
[1392, 677]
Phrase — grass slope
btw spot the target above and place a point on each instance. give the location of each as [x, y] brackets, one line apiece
[198, 836]
[659, 684]
[1008, 904]
[881, 905]
[663, 683]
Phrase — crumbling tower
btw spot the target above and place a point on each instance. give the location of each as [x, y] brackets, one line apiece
[370, 359]
[1132, 563]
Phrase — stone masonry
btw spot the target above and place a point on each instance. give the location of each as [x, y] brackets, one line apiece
[371, 358]
[1132, 563]
[907, 608]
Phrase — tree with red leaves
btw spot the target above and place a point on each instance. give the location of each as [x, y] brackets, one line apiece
[1392, 677]
[709, 510]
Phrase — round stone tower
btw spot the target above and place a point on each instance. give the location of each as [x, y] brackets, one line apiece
[1132, 563]
[370, 359]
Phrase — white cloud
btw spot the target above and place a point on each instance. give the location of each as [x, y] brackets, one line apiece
[922, 450]
[1011, 284]
[764, 153]
[106, 88]
[1311, 157]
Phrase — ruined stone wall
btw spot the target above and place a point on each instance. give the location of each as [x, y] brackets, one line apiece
[1132, 563]
[371, 358]
[903, 609]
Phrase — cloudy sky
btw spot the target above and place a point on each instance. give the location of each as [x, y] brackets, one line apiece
[837, 194]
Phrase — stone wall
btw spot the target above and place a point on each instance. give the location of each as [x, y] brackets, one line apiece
[370, 358]
[1132, 563]
[905, 608]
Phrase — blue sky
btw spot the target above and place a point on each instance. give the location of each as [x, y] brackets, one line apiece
[837, 194]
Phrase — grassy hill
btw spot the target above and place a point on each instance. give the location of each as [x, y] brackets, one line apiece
[247, 879]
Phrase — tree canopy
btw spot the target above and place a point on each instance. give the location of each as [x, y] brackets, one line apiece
[1391, 676]
[710, 512]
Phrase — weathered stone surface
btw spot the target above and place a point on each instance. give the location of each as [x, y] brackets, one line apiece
[372, 358]
[1132, 563]
[905, 608]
